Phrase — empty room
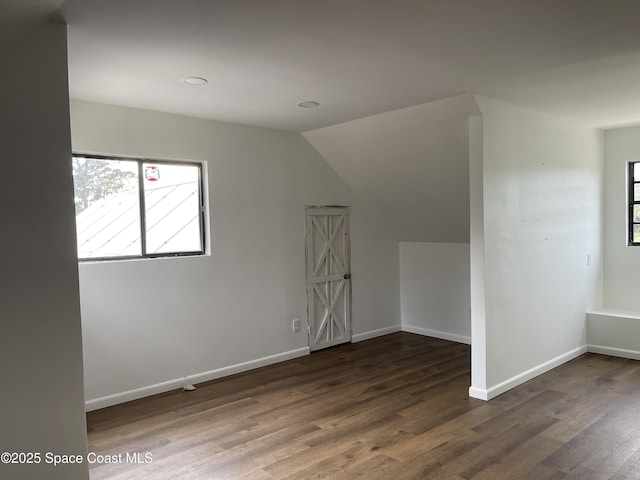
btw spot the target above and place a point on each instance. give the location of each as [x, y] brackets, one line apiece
[340, 239]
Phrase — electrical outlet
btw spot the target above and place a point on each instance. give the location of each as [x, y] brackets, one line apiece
[296, 325]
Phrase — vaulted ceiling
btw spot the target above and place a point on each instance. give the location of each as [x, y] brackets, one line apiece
[574, 58]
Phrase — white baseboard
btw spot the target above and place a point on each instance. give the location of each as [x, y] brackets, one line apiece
[614, 352]
[116, 398]
[437, 334]
[359, 337]
[478, 393]
[162, 387]
[492, 392]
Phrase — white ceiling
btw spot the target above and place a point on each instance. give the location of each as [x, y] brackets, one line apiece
[575, 58]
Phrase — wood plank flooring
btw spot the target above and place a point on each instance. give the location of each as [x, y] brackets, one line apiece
[395, 407]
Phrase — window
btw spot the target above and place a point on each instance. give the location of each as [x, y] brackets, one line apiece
[130, 208]
[634, 203]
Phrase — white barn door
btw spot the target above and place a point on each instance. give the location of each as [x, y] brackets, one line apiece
[328, 276]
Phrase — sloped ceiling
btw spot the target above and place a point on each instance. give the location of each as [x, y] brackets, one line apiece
[602, 93]
[411, 165]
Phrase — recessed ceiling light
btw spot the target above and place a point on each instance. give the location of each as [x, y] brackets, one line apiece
[194, 80]
[308, 104]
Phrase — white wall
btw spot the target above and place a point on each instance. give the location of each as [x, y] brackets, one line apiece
[434, 290]
[149, 323]
[476, 258]
[40, 336]
[542, 215]
[621, 263]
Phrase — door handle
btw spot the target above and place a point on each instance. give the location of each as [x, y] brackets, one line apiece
[347, 276]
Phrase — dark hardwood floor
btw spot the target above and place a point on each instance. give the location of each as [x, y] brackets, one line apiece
[395, 407]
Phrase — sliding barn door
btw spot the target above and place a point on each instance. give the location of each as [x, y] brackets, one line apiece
[328, 276]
